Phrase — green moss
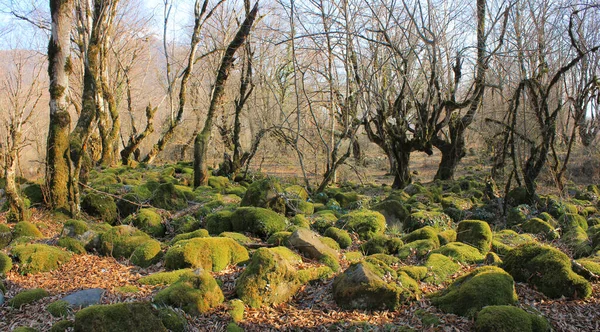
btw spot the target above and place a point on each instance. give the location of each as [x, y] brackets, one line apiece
[233, 327]
[382, 244]
[5, 263]
[259, 221]
[120, 317]
[236, 310]
[518, 215]
[62, 326]
[315, 273]
[146, 253]
[518, 196]
[27, 297]
[26, 229]
[25, 329]
[569, 221]
[393, 210]
[353, 256]
[58, 308]
[425, 233]
[71, 245]
[439, 268]
[545, 216]
[75, 227]
[507, 239]
[149, 221]
[461, 252]
[212, 254]
[576, 239]
[185, 224]
[100, 206]
[346, 199]
[416, 272]
[297, 191]
[340, 236]
[268, 279]
[5, 236]
[540, 227]
[279, 238]
[186, 236]
[506, 318]
[300, 220]
[331, 243]
[591, 264]
[266, 193]
[447, 236]
[219, 222]
[418, 248]
[34, 258]
[365, 223]
[424, 218]
[476, 233]
[218, 182]
[194, 294]
[361, 287]
[167, 197]
[491, 258]
[165, 278]
[546, 268]
[238, 237]
[484, 286]
[121, 241]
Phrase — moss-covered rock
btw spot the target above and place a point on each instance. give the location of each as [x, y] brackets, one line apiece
[165, 278]
[27, 297]
[62, 326]
[540, 227]
[146, 253]
[194, 294]
[310, 245]
[266, 193]
[546, 268]
[218, 182]
[5, 263]
[322, 220]
[491, 258]
[447, 236]
[269, 279]
[75, 227]
[518, 196]
[365, 223]
[236, 310]
[219, 222]
[173, 321]
[353, 256]
[259, 221]
[58, 308]
[340, 236]
[439, 268]
[506, 318]
[212, 254]
[238, 237]
[506, 239]
[425, 233]
[5, 236]
[485, 286]
[382, 244]
[569, 221]
[346, 199]
[122, 241]
[167, 197]
[300, 220]
[120, 317]
[461, 252]
[100, 206]
[186, 236]
[315, 273]
[26, 229]
[418, 248]
[34, 258]
[185, 224]
[518, 215]
[416, 272]
[279, 238]
[394, 211]
[25, 329]
[576, 239]
[476, 233]
[424, 218]
[362, 287]
[72, 245]
[149, 221]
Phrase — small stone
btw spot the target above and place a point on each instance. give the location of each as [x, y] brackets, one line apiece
[84, 298]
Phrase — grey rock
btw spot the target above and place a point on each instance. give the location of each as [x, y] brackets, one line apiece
[84, 298]
[310, 245]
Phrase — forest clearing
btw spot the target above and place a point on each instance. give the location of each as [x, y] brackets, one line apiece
[317, 165]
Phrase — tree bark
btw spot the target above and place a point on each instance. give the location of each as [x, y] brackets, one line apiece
[402, 177]
[57, 156]
[203, 138]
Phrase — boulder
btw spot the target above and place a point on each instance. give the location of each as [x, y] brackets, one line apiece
[34, 258]
[547, 269]
[259, 221]
[266, 193]
[340, 236]
[382, 244]
[5, 263]
[365, 223]
[168, 197]
[485, 286]
[439, 268]
[362, 286]
[310, 245]
[476, 233]
[461, 252]
[211, 253]
[195, 294]
[27, 296]
[540, 227]
[270, 278]
[100, 206]
[84, 298]
[26, 229]
[424, 218]
[120, 317]
[147, 220]
[506, 318]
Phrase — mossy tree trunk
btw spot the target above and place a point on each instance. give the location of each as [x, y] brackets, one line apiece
[136, 139]
[57, 155]
[203, 138]
[16, 204]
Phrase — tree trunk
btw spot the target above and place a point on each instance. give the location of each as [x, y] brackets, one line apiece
[452, 151]
[135, 140]
[402, 177]
[203, 138]
[57, 156]
[15, 202]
